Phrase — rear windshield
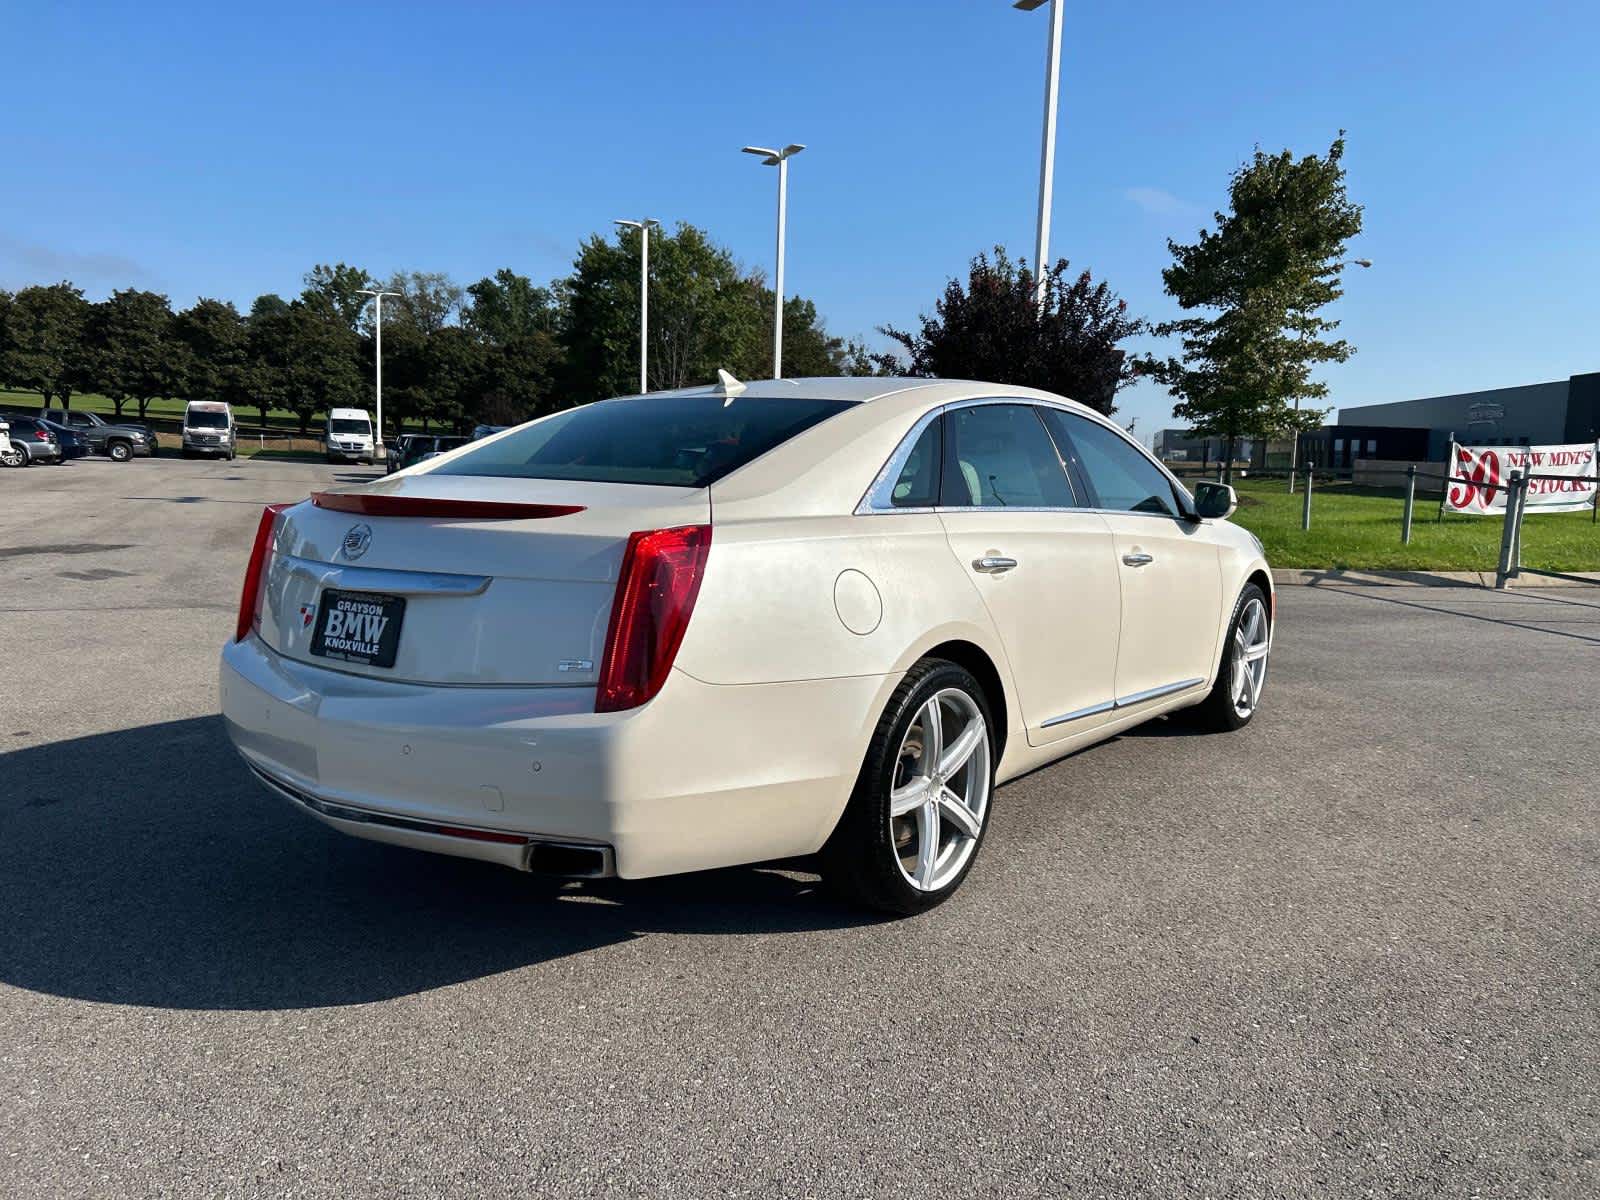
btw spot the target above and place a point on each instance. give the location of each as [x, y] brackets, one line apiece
[349, 425]
[200, 419]
[681, 441]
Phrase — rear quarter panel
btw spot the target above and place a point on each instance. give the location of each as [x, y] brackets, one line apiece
[778, 594]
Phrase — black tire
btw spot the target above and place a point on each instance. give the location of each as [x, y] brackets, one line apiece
[119, 452]
[13, 458]
[1218, 711]
[861, 861]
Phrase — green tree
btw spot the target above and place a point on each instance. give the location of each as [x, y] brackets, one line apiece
[511, 306]
[455, 366]
[266, 333]
[215, 353]
[132, 353]
[995, 329]
[340, 287]
[304, 358]
[519, 324]
[427, 300]
[1266, 272]
[46, 351]
[5, 340]
[705, 313]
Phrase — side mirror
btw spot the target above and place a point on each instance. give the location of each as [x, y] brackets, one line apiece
[1214, 501]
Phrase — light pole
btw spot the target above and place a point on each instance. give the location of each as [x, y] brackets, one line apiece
[643, 227]
[1294, 444]
[779, 159]
[377, 359]
[1047, 155]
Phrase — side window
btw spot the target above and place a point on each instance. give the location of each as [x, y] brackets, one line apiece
[918, 483]
[999, 456]
[1122, 479]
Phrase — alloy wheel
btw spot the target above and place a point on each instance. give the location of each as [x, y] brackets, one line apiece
[1251, 642]
[940, 795]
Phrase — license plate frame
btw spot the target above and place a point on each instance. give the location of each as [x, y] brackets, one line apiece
[352, 640]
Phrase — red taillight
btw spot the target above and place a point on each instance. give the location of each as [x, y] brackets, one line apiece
[254, 574]
[41, 435]
[661, 573]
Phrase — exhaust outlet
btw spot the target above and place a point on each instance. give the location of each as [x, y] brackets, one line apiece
[571, 860]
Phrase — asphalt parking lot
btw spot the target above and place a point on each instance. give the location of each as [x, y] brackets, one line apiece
[1348, 951]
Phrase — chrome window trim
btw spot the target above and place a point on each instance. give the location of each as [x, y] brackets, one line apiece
[876, 501]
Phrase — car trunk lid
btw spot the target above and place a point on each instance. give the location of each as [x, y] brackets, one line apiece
[460, 579]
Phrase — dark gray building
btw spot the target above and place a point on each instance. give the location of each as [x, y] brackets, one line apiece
[1536, 414]
[1180, 445]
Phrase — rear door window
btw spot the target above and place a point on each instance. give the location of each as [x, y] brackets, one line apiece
[680, 441]
[999, 456]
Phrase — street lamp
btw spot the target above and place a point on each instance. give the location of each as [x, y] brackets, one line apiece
[377, 357]
[1294, 444]
[644, 228]
[779, 159]
[1047, 155]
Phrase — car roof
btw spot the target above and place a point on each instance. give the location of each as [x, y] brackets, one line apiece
[863, 389]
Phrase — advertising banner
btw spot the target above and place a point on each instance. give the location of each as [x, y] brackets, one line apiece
[1561, 486]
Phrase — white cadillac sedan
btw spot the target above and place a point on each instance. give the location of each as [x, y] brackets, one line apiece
[697, 628]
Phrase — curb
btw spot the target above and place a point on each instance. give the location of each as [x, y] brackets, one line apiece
[1338, 577]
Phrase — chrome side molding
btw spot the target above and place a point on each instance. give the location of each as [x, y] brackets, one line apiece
[1156, 693]
[1121, 702]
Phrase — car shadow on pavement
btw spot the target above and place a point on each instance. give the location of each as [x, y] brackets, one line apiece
[146, 867]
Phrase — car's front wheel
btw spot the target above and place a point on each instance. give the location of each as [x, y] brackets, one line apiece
[1242, 674]
[119, 451]
[920, 807]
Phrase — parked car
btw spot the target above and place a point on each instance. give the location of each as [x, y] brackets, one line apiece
[209, 428]
[482, 431]
[12, 453]
[73, 443]
[119, 441]
[39, 442]
[411, 448]
[691, 629]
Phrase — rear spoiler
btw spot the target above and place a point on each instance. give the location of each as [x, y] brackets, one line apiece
[368, 505]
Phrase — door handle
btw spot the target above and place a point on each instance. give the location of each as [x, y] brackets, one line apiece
[992, 565]
[1138, 560]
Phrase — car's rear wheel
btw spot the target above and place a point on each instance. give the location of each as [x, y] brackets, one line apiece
[119, 452]
[1242, 674]
[920, 808]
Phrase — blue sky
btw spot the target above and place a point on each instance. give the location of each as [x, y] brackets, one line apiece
[222, 150]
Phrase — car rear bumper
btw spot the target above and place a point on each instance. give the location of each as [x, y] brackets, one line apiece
[702, 776]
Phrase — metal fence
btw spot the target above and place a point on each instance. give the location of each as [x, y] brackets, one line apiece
[1508, 567]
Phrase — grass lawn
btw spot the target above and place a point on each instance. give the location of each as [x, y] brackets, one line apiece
[160, 410]
[1359, 527]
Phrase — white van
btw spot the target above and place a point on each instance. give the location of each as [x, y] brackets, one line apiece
[208, 428]
[349, 435]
